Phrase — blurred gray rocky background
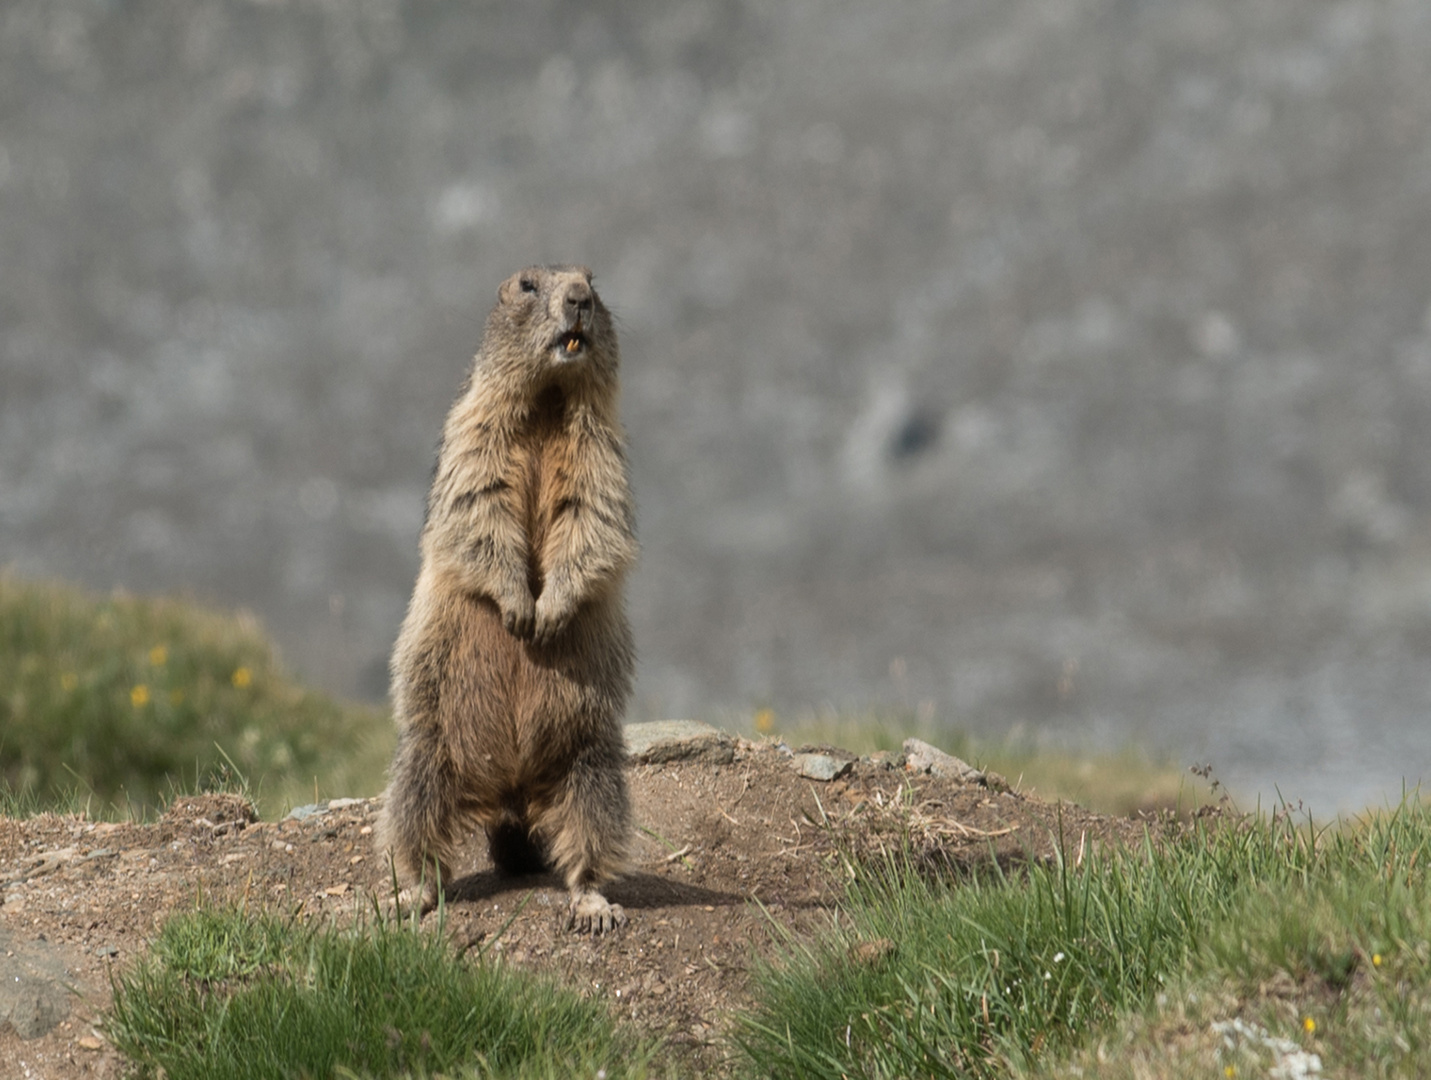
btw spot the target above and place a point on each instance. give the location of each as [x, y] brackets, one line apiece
[1058, 365]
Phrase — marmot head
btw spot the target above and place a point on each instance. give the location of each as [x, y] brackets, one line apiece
[549, 320]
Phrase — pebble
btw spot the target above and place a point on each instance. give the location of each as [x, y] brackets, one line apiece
[820, 766]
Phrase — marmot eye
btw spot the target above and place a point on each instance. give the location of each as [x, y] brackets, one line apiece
[528, 285]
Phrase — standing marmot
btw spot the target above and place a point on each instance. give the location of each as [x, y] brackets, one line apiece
[512, 669]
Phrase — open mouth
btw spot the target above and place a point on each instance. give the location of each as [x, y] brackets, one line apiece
[571, 343]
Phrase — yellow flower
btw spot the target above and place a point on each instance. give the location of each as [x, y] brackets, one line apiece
[69, 681]
[242, 677]
[158, 656]
[765, 721]
[1230, 1070]
[1309, 1025]
[1376, 959]
[139, 696]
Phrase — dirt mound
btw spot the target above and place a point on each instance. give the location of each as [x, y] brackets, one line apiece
[81, 896]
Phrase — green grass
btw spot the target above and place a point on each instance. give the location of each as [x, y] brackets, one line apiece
[122, 701]
[225, 995]
[1059, 969]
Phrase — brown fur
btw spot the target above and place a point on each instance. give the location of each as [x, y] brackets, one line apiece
[513, 666]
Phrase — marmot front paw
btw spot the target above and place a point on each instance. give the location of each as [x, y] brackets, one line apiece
[553, 614]
[518, 615]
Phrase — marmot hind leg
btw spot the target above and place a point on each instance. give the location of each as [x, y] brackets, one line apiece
[417, 826]
[588, 833]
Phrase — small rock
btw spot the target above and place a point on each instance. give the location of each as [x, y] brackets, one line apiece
[35, 1006]
[820, 766]
[89, 1042]
[33, 994]
[678, 740]
[106, 950]
[920, 757]
[303, 813]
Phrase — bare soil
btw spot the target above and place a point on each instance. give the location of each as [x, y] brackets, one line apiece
[729, 857]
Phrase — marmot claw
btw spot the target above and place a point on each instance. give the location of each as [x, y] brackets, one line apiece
[590, 912]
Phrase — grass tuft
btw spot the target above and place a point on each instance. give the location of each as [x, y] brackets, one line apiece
[225, 995]
[1325, 964]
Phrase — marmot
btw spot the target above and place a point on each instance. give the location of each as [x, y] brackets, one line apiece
[512, 669]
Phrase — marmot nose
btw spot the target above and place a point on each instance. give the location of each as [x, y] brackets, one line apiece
[578, 300]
